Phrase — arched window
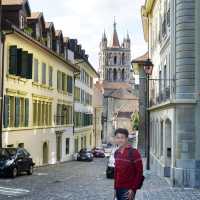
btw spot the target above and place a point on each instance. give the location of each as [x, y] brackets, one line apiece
[123, 59]
[115, 75]
[123, 75]
[115, 60]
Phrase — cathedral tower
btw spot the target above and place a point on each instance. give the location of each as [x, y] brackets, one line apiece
[115, 59]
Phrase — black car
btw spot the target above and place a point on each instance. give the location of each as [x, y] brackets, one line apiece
[13, 161]
[85, 155]
[98, 152]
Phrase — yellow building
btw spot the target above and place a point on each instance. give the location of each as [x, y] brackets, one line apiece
[38, 99]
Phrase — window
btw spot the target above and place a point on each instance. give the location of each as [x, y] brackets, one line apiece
[22, 22]
[64, 114]
[67, 146]
[50, 76]
[43, 73]
[91, 82]
[63, 82]
[42, 112]
[36, 70]
[77, 94]
[59, 80]
[115, 60]
[20, 62]
[69, 84]
[16, 112]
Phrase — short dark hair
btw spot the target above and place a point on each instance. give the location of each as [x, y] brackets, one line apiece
[122, 131]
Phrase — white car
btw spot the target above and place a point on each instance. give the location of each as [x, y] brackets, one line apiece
[111, 164]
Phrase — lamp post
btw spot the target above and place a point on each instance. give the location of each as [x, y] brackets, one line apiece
[148, 68]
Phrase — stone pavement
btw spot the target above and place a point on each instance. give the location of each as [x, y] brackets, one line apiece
[83, 181]
[156, 188]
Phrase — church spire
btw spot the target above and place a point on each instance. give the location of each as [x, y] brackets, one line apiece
[115, 40]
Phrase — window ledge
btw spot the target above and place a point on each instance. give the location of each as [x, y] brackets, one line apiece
[18, 78]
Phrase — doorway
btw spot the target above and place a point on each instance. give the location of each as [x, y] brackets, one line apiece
[168, 148]
[45, 153]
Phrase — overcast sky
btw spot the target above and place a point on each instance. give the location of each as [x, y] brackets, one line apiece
[87, 19]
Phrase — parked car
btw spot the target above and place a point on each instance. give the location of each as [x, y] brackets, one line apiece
[85, 155]
[111, 164]
[108, 151]
[13, 161]
[98, 152]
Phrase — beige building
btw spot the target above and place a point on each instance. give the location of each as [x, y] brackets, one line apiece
[98, 113]
[84, 110]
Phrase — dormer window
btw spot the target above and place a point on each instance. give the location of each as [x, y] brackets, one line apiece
[22, 22]
[37, 31]
[58, 46]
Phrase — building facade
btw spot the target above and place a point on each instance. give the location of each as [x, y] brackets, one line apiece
[84, 110]
[118, 83]
[38, 86]
[98, 113]
[174, 91]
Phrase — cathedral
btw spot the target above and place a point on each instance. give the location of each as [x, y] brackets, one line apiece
[120, 99]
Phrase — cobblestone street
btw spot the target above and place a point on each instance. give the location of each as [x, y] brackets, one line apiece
[83, 181]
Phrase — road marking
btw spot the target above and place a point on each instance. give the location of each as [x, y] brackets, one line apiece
[13, 191]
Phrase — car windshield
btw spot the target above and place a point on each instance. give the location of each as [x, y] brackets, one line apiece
[7, 153]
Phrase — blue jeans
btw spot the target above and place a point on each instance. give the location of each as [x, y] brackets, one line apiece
[122, 194]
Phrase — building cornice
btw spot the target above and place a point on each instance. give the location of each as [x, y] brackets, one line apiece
[172, 103]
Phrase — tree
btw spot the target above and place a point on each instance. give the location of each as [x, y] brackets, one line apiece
[135, 121]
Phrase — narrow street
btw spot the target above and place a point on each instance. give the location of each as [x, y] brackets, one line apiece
[85, 181]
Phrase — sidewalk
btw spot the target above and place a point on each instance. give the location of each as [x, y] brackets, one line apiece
[156, 188]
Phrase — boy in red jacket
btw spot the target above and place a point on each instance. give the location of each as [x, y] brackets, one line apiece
[128, 167]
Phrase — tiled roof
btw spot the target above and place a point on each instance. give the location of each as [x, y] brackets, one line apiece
[141, 58]
[35, 15]
[124, 114]
[115, 40]
[12, 2]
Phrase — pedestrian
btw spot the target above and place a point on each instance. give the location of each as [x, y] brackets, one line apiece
[128, 176]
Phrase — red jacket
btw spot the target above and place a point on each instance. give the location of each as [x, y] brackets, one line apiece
[128, 174]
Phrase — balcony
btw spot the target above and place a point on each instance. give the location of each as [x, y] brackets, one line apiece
[161, 98]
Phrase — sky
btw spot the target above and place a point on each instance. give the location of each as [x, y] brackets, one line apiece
[86, 20]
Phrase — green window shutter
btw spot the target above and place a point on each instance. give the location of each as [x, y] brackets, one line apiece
[29, 66]
[24, 64]
[6, 112]
[19, 62]
[13, 60]
[17, 111]
[26, 112]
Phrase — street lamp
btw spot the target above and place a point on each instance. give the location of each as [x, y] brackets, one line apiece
[148, 69]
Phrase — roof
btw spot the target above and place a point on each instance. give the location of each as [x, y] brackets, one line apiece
[141, 59]
[124, 114]
[35, 15]
[29, 38]
[12, 2]
[58, 33]
[123, 93]
[48, 24]
[115, 40]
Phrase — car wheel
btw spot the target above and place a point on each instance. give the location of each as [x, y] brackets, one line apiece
[14, 172]
[30, 171]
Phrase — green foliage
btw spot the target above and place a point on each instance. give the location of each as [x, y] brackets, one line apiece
[135, 121]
